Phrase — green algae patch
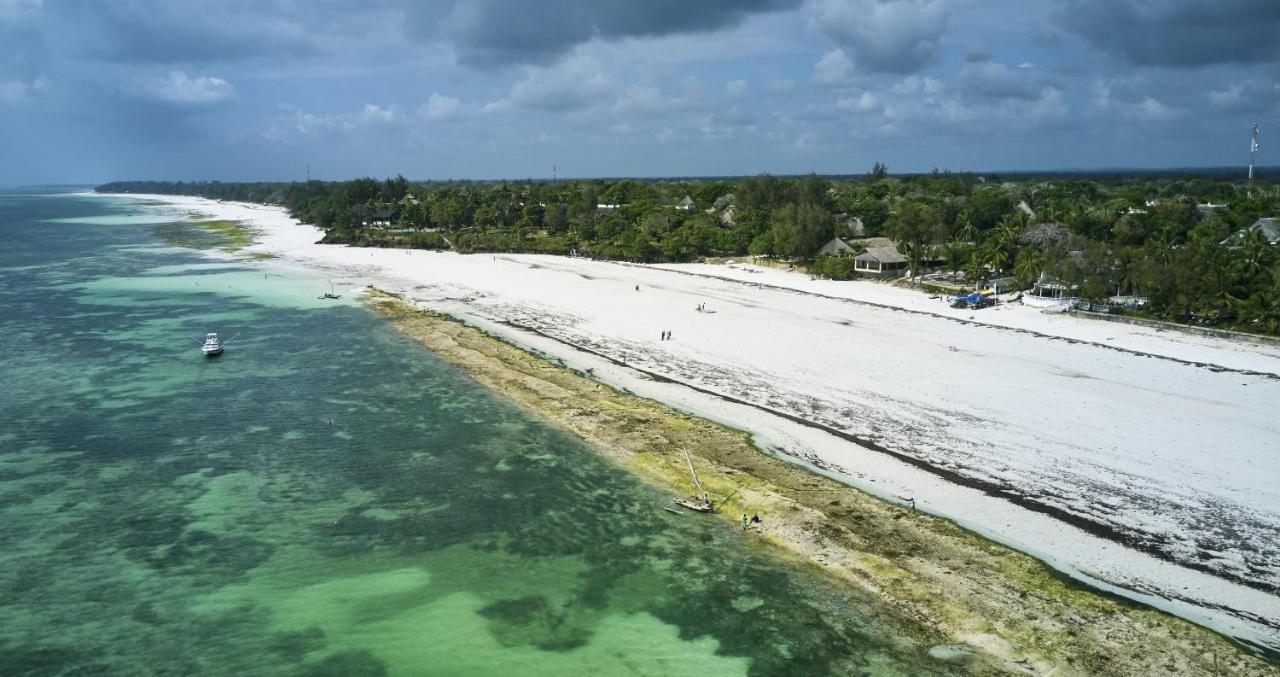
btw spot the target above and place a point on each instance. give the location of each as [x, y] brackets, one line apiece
[1000, 610]
[227, 236]
[237, 237]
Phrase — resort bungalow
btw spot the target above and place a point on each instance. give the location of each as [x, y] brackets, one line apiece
[881, 262]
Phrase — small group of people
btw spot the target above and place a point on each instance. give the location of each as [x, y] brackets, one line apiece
[666, 335]
[702, 307]
[753, 522]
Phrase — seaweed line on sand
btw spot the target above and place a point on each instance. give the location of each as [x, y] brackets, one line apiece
[958, 587]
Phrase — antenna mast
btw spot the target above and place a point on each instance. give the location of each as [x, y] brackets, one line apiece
[1253, 153]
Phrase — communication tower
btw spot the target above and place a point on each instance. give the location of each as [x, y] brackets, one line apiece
[1253, 153]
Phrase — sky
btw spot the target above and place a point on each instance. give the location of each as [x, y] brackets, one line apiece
[96, 90]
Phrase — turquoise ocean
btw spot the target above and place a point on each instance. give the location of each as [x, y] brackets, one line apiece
[329, 498]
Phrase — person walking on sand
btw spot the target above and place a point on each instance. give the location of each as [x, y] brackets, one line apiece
[744, 520]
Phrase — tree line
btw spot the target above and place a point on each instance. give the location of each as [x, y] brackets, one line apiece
[1160, 237]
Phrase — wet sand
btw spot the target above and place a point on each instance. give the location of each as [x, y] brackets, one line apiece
[971, 592]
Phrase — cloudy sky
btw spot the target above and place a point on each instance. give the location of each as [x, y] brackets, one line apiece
[93, 90]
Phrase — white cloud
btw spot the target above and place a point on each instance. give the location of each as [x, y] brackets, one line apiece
[916, 84]
[1050, 105]
[1152, 110]
[579, 81]
[375, 114]
[1126, 105]
[368, 116]
[1230, 97]
[736, 89]
[641, 99]
[834, 69]
[179, 88]
[13, 92]
[440, 108]
[865, 103]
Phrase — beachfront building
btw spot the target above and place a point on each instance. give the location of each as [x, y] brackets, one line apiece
[880, 261]
[1003, 285]
[381, 217]
[1049, 291]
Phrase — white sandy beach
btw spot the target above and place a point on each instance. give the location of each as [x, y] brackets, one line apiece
[1134, 457]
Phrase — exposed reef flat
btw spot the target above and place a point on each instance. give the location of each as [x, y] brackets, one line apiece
[970, 591]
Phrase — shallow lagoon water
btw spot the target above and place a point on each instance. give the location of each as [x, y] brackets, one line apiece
[329, 498]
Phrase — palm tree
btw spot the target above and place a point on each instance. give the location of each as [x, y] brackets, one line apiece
[1129, 273]
[917, 224]
[1028, 265]
[958, 253]
[966, 231]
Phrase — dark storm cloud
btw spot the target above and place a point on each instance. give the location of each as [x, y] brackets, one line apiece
[1179, 33]
[501, 32]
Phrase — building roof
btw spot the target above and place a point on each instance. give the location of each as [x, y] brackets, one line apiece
[835, 247]
[1269, 226]
[686, 202]
[870, 242]
[1043, 234]
[882, 254]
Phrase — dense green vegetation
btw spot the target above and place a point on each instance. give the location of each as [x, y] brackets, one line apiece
[1102, 235]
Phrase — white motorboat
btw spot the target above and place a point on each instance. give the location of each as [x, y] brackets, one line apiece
[211, 347]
